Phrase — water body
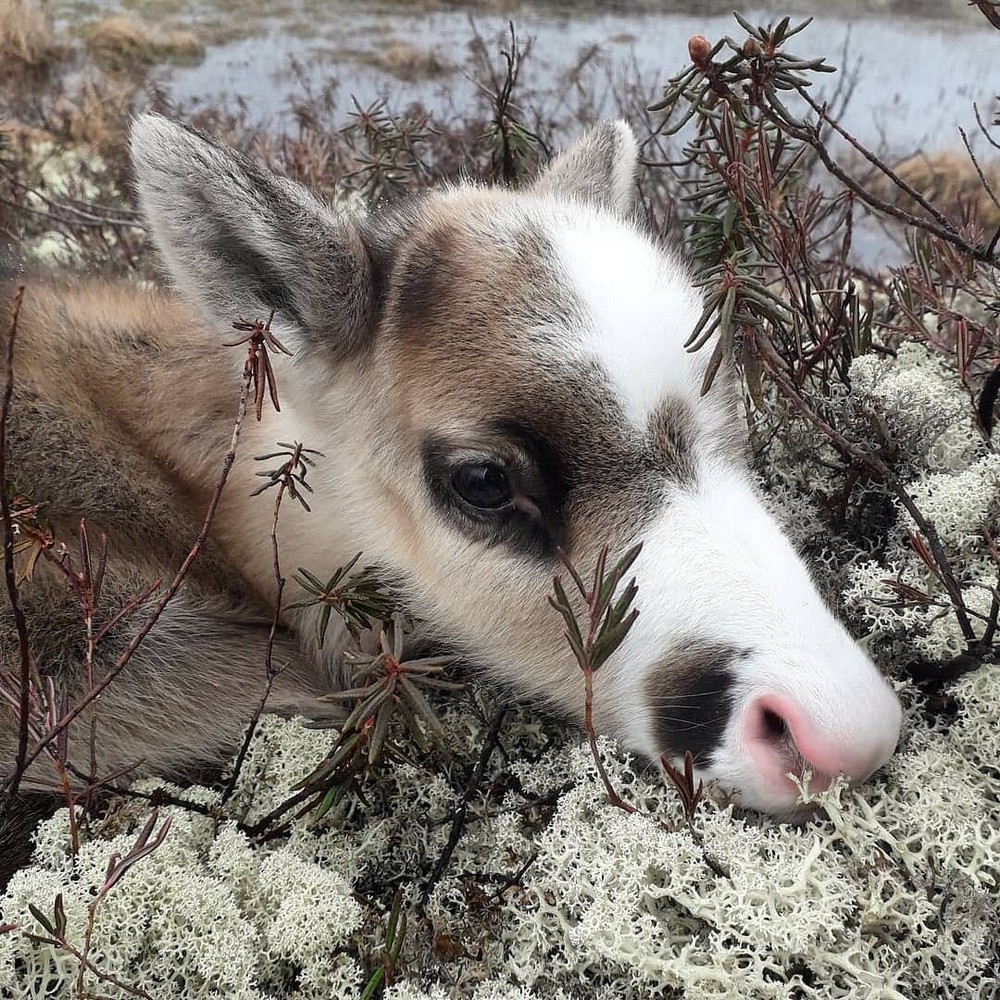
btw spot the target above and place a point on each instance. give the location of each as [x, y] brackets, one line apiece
[919, 65]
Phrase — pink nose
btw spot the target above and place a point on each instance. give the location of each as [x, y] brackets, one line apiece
[781, 738]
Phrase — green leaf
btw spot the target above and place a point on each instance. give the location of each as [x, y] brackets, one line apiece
[366, 708]
[726, 315]
[60, 916]
[729, 219]
[328, 801]
[595, 589]
[322, 622]
[421, 704]
[610, 640]
[747, 26]
[41, 918]
[373, 984]
[380, 730]
[312, 583]
[390, 927]
[562, 605]
[571, 569]
[705, 336]
[397, 945]
[617, 613]
[342, 751]
[626, 562]
[351, 693]
[405, 712]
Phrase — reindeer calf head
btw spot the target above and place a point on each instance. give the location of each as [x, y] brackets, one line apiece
[495, 374]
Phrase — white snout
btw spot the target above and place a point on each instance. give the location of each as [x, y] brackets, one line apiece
[789, 689]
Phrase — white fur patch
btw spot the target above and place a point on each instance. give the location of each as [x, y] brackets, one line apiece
[640, 307]
[715, 564]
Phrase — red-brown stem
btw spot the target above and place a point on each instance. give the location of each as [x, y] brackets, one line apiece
[258, 832]
[21, 760]
[588, 719]
[126, 609]
[883, 473]
[74, 825]
[85, 590]
[87, 965]
[939, 225]
[269, 671]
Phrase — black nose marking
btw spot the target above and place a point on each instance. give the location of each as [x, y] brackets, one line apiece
[690, 696]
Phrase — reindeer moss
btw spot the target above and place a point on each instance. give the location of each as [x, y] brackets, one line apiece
[891, 892]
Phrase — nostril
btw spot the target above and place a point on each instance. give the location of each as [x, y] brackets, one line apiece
[773, 726]
[780, 737]
[767, 725]
[782, 731]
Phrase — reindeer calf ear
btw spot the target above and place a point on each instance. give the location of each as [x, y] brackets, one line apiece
[239, 241]
[599, 168]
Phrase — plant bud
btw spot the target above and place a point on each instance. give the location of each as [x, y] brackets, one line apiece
[698, 49]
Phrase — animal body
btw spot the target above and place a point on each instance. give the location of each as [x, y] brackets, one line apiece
[490, 375]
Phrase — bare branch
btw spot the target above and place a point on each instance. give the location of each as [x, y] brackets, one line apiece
[21, 761]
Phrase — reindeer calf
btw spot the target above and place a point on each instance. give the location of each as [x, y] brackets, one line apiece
[490, 375]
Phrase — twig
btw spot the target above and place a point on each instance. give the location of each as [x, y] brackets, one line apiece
[56, 926]
[607, 626]
[259, 832]
[269, 672]
[974, 160]
[939, 224]
[21, 761]
[458, 822]
[588, 724]
[508, 881]
[881, 472]
[87, 965]
[86, 214]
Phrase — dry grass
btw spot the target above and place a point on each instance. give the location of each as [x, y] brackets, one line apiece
[407, 62]
[950, 181]
[121, 44]
[28, 46]
[23, 139]
[98, 116]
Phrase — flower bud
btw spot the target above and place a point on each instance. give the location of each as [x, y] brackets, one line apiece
[698, 49]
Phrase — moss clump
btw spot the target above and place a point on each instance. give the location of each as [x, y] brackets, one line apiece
[890, 889]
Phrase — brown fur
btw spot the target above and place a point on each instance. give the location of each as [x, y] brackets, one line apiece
[104, 425]
[123, 412]
[434, 355]
[489, 376]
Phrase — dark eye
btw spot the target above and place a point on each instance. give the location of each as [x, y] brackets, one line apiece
[482, 485]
